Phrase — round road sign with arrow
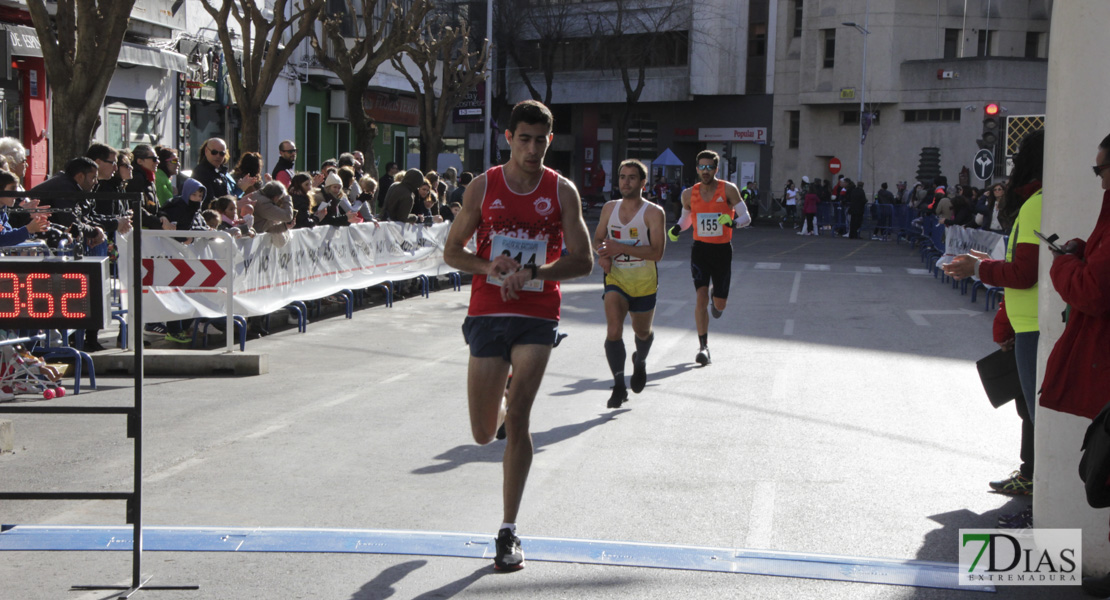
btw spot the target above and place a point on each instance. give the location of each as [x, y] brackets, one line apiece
[984, 164]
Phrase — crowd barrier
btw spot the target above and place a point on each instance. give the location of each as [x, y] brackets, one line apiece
[939, 244]
[209, 277]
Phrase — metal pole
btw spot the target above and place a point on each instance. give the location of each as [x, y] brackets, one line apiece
[987, 49]
[136, 317]
[863, 89]
[489, 89]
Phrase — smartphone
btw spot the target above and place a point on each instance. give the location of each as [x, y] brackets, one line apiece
[1050, 241]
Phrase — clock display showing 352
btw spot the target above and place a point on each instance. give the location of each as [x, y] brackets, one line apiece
[41, 293]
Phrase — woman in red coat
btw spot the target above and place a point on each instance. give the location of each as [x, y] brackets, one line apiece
[1077, 376]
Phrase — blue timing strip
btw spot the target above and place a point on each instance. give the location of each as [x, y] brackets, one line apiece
[464, 545]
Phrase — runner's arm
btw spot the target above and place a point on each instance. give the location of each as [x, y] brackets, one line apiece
[602, 230]
[455, 252]
[742, 217]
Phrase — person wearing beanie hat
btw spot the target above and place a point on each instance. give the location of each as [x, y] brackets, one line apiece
[328, 197]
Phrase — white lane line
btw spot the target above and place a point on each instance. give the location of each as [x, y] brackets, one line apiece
[761, 519]
[797, 286]
[769, 266]
[174, 470]
[818, 268]
[788, 329]
[869, 270]
[670, 264]
[397, 377]
[917, 271]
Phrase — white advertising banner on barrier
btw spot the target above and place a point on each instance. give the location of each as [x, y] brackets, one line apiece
[959, 240]
[265, 277]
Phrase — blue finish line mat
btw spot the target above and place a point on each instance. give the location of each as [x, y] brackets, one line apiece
[467, 545]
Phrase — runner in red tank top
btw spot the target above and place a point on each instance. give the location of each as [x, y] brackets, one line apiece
[710, 206]
[522, 214]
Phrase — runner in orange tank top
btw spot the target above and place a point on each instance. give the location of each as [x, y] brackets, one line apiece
[514, 302]
[714, 209]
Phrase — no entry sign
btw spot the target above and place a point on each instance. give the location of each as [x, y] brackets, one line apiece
[834, 165]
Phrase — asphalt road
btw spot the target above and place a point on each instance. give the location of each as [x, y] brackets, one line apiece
[841, 415]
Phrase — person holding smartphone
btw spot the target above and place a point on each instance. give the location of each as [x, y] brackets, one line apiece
[1015, 324]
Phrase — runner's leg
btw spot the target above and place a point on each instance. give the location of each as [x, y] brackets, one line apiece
[701, 306]
[616, 307]
[485, 383]
[529, 363]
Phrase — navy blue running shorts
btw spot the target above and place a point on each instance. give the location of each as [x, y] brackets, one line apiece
[636, 304]
[495, 336]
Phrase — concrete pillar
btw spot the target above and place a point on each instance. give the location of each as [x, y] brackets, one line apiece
[1076, 121]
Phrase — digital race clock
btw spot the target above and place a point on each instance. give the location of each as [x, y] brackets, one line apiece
[49, 293]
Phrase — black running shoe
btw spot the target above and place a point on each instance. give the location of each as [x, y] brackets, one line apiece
[639, 374]
[620, 396]
[509, 555]
[703, 356]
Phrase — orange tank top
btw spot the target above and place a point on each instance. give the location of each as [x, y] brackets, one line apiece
[706, 211]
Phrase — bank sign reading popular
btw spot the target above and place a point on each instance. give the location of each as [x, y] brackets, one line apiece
[755, 135]
[1020, 556]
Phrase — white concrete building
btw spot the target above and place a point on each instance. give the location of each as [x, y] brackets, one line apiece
[931, 67]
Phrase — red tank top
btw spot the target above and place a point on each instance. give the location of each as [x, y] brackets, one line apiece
[706, 211]
[529, 227]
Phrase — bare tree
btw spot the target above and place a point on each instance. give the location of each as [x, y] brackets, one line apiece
[80, 46]
[444, 46]
[265, 51]
[646, 22]
[354, 45]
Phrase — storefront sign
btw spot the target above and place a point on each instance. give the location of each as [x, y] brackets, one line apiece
[391, 108]
[469, 109]
[756, 135]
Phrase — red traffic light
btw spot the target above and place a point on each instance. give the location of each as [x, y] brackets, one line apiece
[991, 109]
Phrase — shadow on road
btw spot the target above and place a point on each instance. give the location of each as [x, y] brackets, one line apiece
[470, 453]
[449, 590]
[382, 585]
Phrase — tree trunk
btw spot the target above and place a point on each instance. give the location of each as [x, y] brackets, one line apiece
[74, 126]
[362, 127]
[249, 134]
[433, 145]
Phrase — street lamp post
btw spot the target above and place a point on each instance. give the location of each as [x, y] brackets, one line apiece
[862, 85]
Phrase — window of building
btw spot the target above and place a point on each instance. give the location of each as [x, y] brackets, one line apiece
[946, 115]
[829, 37]
[142, 127]
[797, 18]
[663, 49]
[342, 138]
[951, 43]
[795, 120]
[755, 81]
[851, 117]
[986, 43]
[311, 148]
[1033, 48]
[117, 130]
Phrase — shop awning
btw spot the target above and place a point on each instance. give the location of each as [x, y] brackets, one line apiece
[25, 42]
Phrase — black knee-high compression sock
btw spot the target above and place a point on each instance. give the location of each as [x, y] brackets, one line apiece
[615, 353]
[703, 339]
[644, 346]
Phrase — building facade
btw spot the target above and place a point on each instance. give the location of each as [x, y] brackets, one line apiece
[931, 68]
[707, 82]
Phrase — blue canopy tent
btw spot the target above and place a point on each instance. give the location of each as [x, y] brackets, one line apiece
[667, 159]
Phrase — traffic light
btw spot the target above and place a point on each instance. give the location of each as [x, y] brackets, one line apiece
[992, 125]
